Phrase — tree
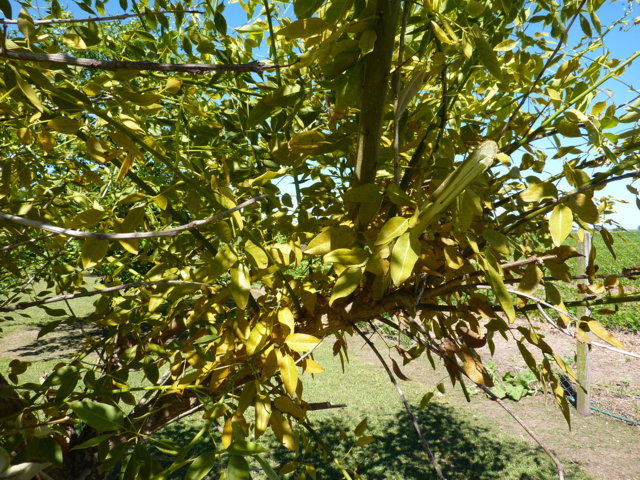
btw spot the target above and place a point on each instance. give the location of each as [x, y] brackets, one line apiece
[151, 149]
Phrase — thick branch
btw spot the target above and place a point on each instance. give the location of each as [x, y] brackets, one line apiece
[63, 59]
[374, 90]
[124, 16]
[171, 232]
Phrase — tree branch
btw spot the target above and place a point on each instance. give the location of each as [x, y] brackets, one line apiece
[414, 420]
[64, 59]
[525, 216]
[6, 21]
[115, 288]
[549, 453]
[377, 65]
[171, 232]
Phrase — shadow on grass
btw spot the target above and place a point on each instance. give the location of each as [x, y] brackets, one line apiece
[60, 343]
[464, 450]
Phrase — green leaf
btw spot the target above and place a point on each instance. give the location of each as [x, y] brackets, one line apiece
[29, 92]
[539, 191]
[560, 223]
[5, 6]
[496, 279]
[304, 28]
[245, 447]
[101, 416]
[93, 442]
[238, 468]
[93, 251]
[266, 468]
[506, 45]
[64, 125]
[346, 284]
[404, 256]
[392, 229]
[487, 56]
[201, 466]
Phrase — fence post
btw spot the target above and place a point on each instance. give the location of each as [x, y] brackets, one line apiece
[583, 353]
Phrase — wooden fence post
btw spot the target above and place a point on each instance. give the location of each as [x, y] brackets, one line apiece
[583, 354]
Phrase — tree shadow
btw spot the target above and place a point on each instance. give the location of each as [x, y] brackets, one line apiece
[61, 342]
[464, 450]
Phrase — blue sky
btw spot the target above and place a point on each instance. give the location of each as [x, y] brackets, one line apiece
[621, 43]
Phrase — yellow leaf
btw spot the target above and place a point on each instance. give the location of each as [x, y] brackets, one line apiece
[597, 329]
[227, 432]
[311, 366]
[258, 337]
[285, 318]
[301, 342]
[404, 256]
[560, 223]
[173, 85]
[286, 405]
[282, 430]
[240, 286]
[346, 284]
[495, 275]
[256, 254]
[474, 369]
[289, 373]
[161, 201]
[331, 239]
[304, 28]
[263, 414]
[531, 279]
[365, 440]
[440, 34]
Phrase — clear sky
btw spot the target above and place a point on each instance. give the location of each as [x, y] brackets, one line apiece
[621, 42]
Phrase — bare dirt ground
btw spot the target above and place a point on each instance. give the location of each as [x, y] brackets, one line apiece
[605, 447]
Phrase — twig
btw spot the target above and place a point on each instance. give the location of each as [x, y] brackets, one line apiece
[549, 453]
[305, 355]
[525, 216]
[414, 420]
[64, 59]
[71, 296]
[25, 242]
[573, 335]
[171, 232]
[543, 70]
[6, 21]
[540, 303]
